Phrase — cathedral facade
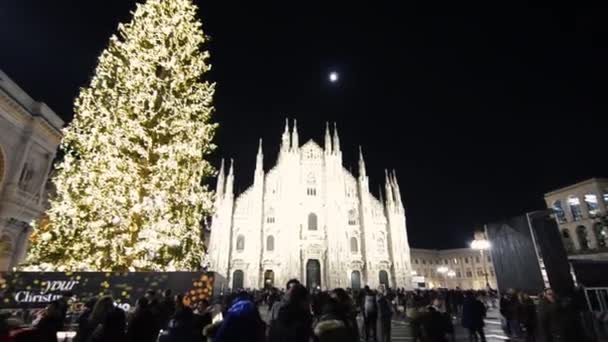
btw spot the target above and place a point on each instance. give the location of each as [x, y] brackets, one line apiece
[309, 218]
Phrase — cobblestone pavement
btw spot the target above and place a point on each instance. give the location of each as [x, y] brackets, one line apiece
[401, 329]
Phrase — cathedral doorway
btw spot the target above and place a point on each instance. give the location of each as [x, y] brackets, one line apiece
[355, 280]
[313, 273]
[384, 279]
[237, 280]
[269, 279]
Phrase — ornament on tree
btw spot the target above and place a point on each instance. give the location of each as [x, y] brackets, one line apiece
[129, 189]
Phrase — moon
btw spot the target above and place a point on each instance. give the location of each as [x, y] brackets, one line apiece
[333, 77]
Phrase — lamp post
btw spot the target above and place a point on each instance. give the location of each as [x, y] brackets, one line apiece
[482, 244]
[443, 270]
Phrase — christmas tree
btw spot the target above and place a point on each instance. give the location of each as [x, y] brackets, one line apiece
[130, 193]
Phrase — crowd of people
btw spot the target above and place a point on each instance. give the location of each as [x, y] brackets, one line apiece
[296, 314]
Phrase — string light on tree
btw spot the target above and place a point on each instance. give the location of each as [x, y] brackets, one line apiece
[129, 193]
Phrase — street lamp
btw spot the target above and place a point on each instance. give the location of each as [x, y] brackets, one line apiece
[443, 270]
[482, 244]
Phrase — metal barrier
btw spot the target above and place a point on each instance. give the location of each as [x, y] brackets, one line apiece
[597, 306]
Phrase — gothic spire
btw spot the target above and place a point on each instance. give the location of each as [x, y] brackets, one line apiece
[336, 139]
[230, 180]
[362, 172]
[219, 188]
[327, 139]
[285, 138]
[259, 162]
[294, 136]
[388, 188]
[396, 189]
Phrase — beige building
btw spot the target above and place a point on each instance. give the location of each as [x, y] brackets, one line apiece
[29, 134]
[450, 268]
[578, 209]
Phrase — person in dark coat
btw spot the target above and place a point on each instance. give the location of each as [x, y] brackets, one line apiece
[179, 328]
[330, 323]
[558, 319]
[370, 314]
[433, 326]
[294, 322]
[473, 313]
[202, 317]
[45, 330]
[509, 309]
[142, 325]
[385, 314]
[527, 316]
[83, 319]
[348, 310]
[113, 328]
[242, 323]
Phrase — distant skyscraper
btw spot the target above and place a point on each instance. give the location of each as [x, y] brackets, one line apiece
[309, 218]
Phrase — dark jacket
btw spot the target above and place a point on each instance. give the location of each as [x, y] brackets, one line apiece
[433, 326]
[330, 328]
[142, 327]
[559, 321]
[473, 313]
[113, 328]
[293, 324]
[385, 313]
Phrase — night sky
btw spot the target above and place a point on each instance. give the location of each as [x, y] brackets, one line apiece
[481, 110]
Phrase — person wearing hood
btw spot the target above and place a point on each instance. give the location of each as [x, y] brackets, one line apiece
[242, 323]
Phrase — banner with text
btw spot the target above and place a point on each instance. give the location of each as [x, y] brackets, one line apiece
[37, 289]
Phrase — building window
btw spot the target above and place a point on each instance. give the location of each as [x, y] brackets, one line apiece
[592, 206]
[469, 274]
[312, 221]
[311, 185]
[558, 210]
[601, 231]
[477, 260]
[445, 261]
[270, 243]
[423, 262]
[270, 216]
[583, 239]
[455, 261]
[354, 246]
[416, 261]
[492, 273]
[352, 217]
[458, 274]
[466, 260]
[479, 272]
[240, 243]
[575, 208]
[567, 240]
